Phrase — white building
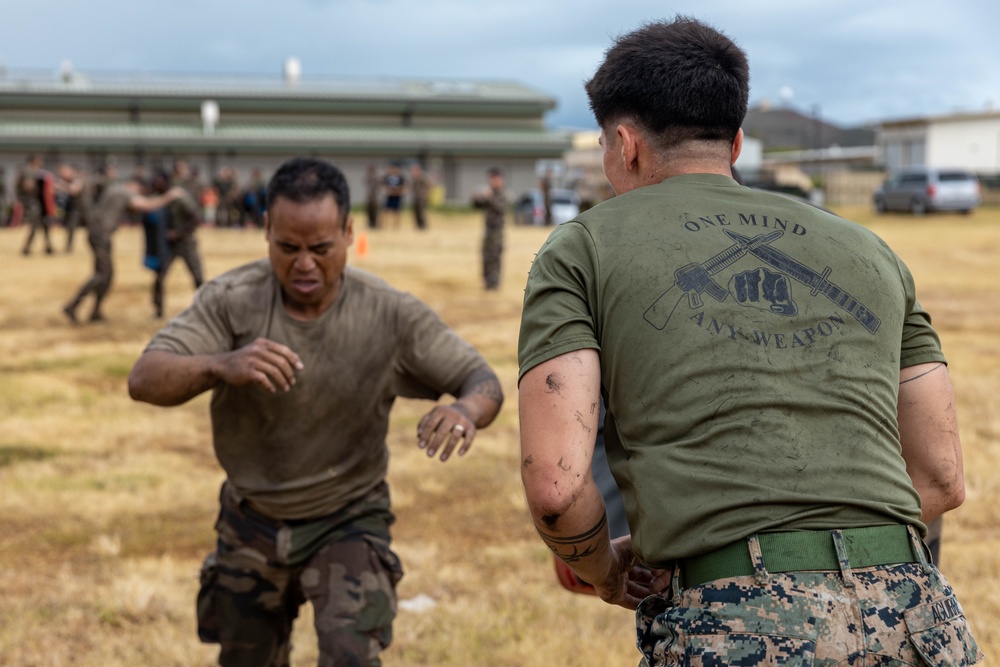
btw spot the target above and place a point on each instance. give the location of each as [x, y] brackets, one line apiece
[967, 140]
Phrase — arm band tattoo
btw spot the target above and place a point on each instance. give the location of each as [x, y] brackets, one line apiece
[574, 541]
[917, 377]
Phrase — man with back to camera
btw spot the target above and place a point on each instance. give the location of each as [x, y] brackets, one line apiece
[305, 357]
[780, 417]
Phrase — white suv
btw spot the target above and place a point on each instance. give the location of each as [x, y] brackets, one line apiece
[922, 189]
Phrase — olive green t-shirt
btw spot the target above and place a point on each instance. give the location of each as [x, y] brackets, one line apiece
[750, 348]
[313, 450]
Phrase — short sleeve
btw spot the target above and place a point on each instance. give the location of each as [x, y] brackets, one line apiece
[920, 342]
[560, 298]
[434, 360]
[202, 328]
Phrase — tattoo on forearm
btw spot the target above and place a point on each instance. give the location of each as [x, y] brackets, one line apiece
[917, 377]
[574, 547]
[484, 383]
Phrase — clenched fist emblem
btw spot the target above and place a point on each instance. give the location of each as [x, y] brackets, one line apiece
[764, 290]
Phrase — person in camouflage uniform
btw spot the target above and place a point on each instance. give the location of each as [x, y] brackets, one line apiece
[181, 220]
[420, 188]
[780, 419]
[79, 192]
[494, 202]
[373, 184]
[305, 357]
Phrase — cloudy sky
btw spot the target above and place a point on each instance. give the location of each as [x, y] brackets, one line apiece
[856, 61]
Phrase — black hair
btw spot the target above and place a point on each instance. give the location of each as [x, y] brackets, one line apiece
[678, 80]
[306, 179]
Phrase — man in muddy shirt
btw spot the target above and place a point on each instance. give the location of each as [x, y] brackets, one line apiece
[780, 419]
[305, 357]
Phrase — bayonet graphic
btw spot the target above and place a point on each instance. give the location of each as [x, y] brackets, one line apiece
[815, 281]
[693, 279]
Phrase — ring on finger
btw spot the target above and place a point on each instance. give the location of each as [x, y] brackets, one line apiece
[459, 429]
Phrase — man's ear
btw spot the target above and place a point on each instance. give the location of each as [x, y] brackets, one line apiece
[737, 146]
[628, 139]
[349, 230]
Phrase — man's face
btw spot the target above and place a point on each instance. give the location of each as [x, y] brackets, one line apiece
[496, 181]
[307, 245]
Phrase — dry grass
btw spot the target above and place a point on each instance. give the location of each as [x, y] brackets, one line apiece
[107, 506]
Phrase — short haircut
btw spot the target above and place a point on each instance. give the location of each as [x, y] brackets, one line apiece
[306, 179]
[494, 171]
[678, 80]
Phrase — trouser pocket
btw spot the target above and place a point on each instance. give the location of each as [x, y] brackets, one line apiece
[207, 608]
[941, 634]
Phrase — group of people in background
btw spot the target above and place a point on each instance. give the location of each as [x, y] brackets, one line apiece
[43, 198]
[73, 198]
[170, 205]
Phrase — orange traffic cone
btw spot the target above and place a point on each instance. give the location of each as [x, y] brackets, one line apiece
[362, 247]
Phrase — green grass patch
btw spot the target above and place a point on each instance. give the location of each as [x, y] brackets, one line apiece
[11, 454]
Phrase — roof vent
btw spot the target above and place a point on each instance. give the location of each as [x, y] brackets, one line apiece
[209, 116]
[66, 71]
[293, 71]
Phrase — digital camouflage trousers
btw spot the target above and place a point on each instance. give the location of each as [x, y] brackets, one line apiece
[897, 615]
[263, 570]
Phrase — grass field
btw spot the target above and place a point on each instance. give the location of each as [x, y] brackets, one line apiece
[107, 506]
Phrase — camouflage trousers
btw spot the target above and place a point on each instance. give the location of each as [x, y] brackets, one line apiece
[263, 570]
[904, 614]
[492, 252]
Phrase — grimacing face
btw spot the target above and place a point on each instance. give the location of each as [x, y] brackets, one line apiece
[307, 245]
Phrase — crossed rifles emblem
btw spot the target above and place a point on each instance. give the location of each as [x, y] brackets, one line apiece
[692, 280]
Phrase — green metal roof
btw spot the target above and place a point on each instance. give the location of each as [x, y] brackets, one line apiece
[153, 90]
[266, 137]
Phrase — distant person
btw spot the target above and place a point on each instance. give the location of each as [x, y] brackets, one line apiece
[780, 418]
[494, 202]
[209, 201]
[255, 197]
[420, 189]
[180, 220]
[304, 357]
[395, 186]
[372, 186]
[228, 212]
[36, 192]
[545, 185]
[79, 200]
[117, 199]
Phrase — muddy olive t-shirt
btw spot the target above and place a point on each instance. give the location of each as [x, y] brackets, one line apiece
[750, 348]
[311, 451]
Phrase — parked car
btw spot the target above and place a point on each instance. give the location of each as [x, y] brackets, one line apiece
[529, 209]
[922, 189]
